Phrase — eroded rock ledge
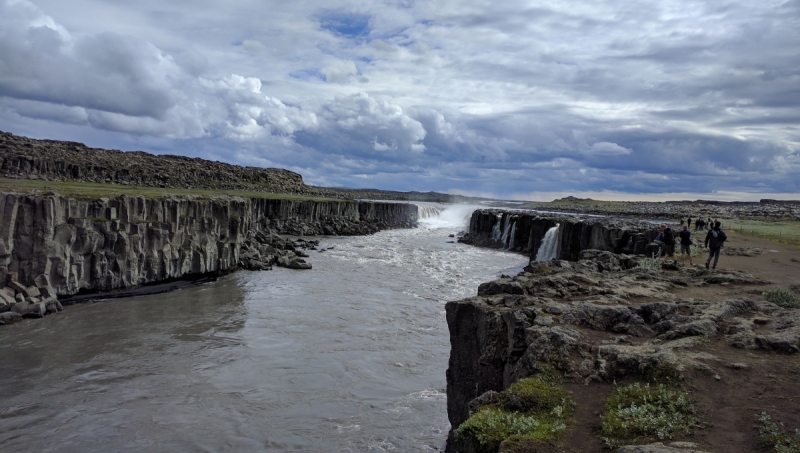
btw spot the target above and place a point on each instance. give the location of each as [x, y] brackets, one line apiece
[600, 318]
[524, 231]
[52, 246]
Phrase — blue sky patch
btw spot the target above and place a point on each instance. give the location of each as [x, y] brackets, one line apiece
[351, 25]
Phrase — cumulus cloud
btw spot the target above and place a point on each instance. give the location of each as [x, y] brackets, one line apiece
[339, 71]
[468, 95]
[359, 124]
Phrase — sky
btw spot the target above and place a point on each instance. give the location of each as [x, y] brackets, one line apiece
[517, 99]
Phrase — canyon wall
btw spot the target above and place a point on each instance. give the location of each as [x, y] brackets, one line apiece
[53, 246]
[524, 232]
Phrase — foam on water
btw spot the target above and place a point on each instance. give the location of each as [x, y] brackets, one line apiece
[452, 216]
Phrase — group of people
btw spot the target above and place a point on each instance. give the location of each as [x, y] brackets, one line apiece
[701, 224]
[713, 243]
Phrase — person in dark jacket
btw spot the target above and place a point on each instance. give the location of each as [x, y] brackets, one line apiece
[686, 245]
[668, 238]
[714, 240]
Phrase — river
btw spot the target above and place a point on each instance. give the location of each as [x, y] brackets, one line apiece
[347, 357]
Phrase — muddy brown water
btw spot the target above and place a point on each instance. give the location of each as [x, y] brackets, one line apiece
[350, 356]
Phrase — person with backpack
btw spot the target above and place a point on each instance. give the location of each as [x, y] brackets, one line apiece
[686, 245]
[714, 240]
[668, 238]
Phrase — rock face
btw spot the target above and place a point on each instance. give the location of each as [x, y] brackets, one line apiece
[55, 246]
[524, 232]
[599, 319]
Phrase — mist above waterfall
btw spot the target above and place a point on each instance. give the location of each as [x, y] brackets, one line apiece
[452, 216]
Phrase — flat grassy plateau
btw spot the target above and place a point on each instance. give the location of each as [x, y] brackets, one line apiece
[93, 191]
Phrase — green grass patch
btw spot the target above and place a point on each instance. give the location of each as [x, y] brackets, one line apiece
[774, 435]
[782, 231]
[665, 374]
[532, 409]
[93, 191]
[649, 263]
[637, 412]
[782, 297]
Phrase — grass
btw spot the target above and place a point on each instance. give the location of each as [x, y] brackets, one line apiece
[782, 297]
[637, 412]
[775, 436]
[782, 231]
[532, 409]
[649, 263]
[93, 191]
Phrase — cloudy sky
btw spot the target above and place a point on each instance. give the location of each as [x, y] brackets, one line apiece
[514, 99]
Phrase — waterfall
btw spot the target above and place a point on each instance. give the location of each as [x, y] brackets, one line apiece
[511, 235]
[426, 212]
[508, 231]
[549, 248]
[496, 228]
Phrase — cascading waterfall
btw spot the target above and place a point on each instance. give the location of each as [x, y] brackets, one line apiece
[510, 238]
[496, 228]
[508, 233]
[426, 212]
[547, 251]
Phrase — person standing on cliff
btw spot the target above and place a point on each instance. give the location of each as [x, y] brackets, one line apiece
[668, 238]
[714, 240]
[686, 245]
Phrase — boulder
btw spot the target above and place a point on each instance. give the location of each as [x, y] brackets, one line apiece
[28, 310]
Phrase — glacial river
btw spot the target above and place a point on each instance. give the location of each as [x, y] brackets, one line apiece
[347, 357]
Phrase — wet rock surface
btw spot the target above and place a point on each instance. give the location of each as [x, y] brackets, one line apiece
[603, 318]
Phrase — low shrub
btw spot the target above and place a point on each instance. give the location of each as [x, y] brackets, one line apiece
[782, 297]
[650, 264]
[532, 409]
[774, 435]
[636, 412]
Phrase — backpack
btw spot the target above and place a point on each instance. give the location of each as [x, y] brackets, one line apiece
[668, 236]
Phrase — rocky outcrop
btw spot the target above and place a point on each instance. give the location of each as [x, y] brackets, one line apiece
[53, 246]
[70, 161]
[600, 318]
[53, 160]
[524, 232]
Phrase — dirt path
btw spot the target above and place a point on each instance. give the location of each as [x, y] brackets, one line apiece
[738, 384]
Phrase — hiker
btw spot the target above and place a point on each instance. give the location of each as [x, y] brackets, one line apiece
[714, 240]
[686, 245]
[689, 222]
[668, 238]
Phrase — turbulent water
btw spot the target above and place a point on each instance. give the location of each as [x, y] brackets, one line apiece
[350, 356]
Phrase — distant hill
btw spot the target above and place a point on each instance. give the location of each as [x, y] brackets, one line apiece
[52, 160]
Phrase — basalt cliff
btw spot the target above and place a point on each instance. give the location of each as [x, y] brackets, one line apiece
[52, 247]
[525, 231]
[598, 314]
